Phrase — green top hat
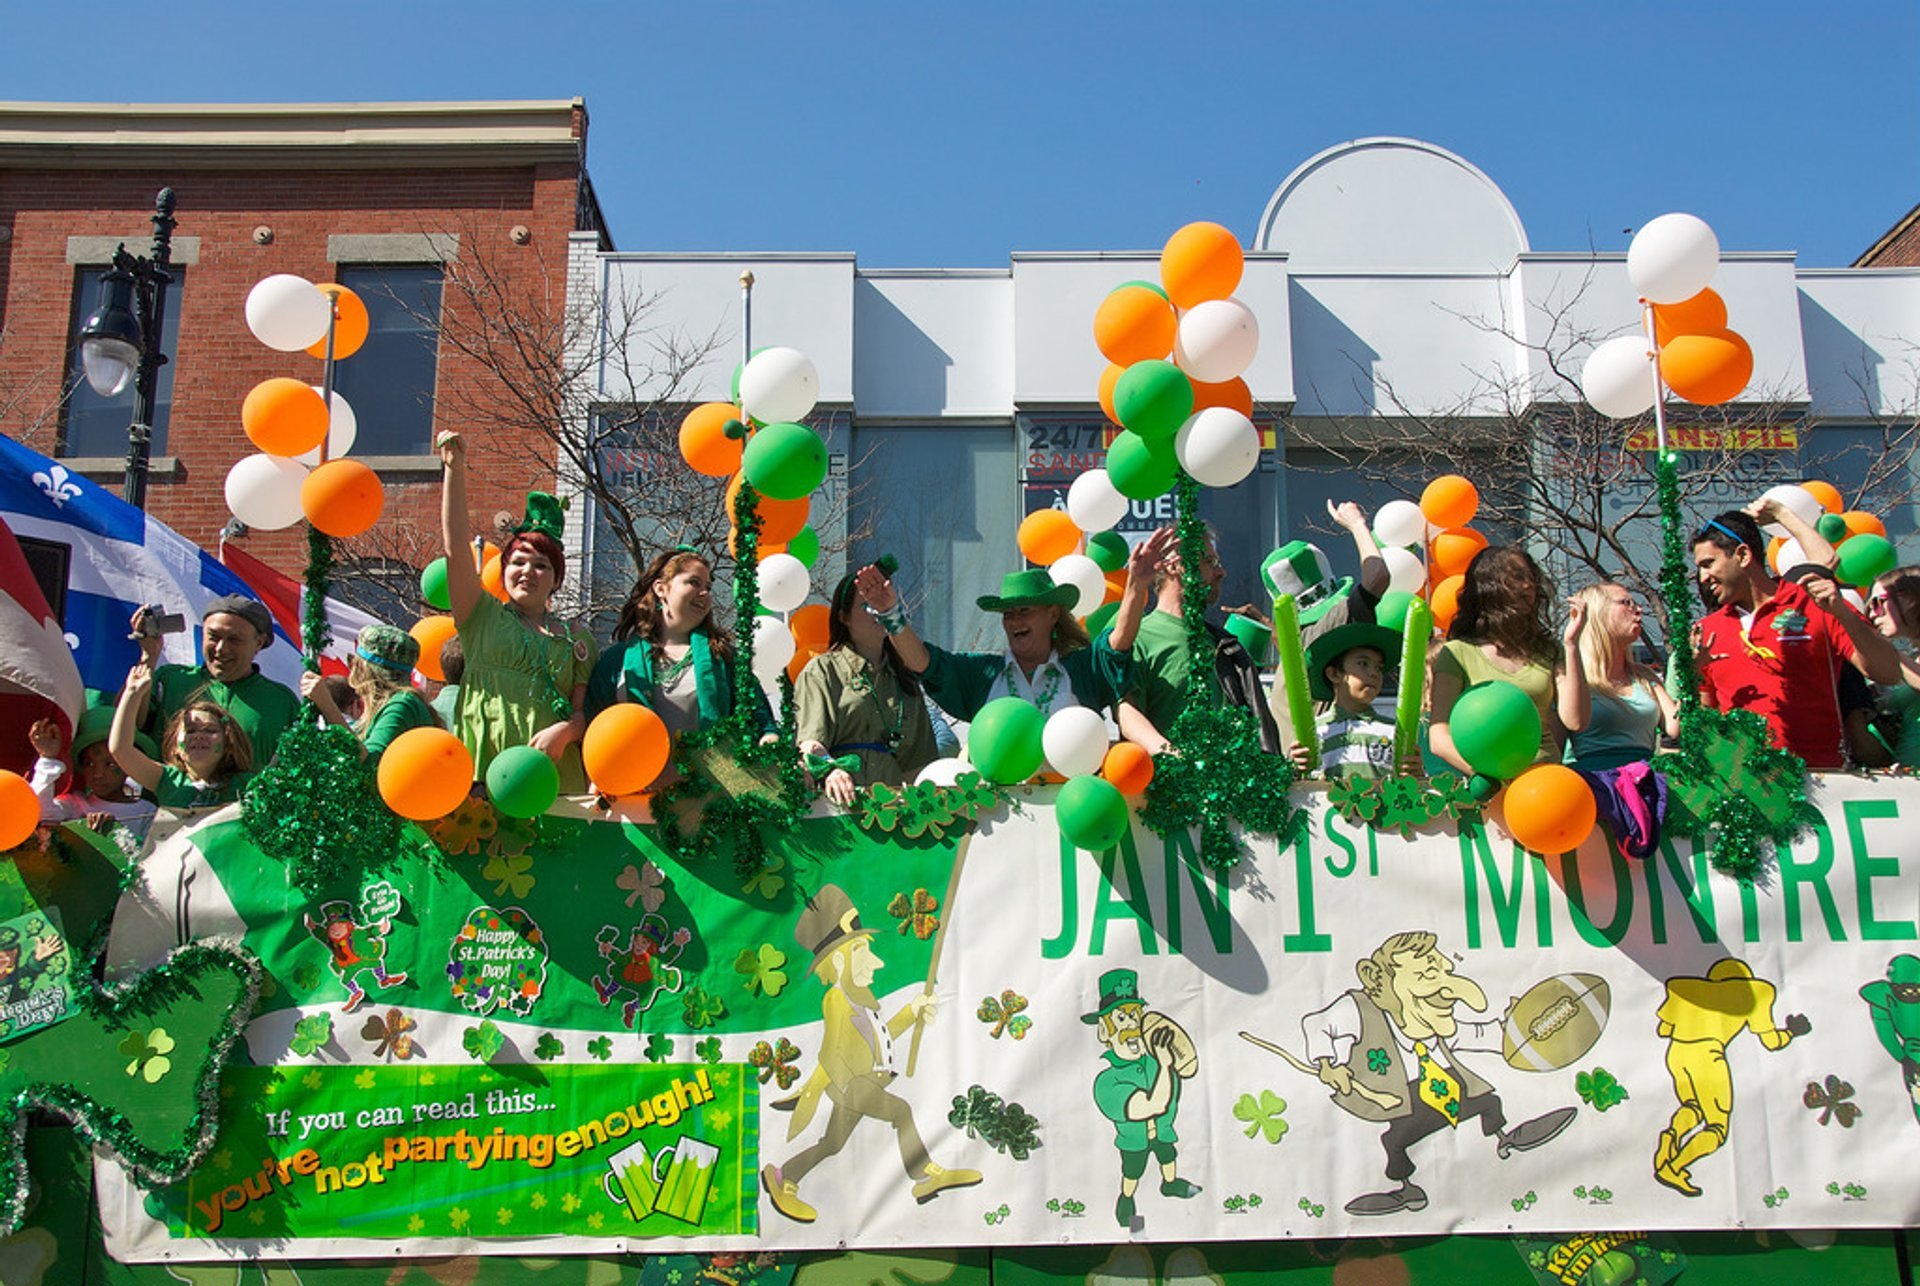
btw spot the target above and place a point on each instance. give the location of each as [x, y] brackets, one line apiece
[1300, 569]
[1032, 588]
[1117, 987]
[95, 723]
[1253, 636]
[1336, 643]
[543, 516]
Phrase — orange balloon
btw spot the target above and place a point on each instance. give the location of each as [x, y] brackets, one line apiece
[780, 520]
[432, 633]
[1550, 808]
[19, 810]
[809, 626]
[1128, 767]
[1859, 523]
[801, 656]
[1704, 314]
[284, 416]
[1445, 601]
[1048, 535]
[1774, 547]
[1116, 588]
[342, 498]
[425, 773]
[487, 552]
[1707, 369]
[1110, 378]
[1234, 395]
[1201, 261]
[625, 749]
[493, 578]
[1450, 501]
[1451, 551]
[350, 323]
[704, 443]
[1827, 494]
[1134, 324]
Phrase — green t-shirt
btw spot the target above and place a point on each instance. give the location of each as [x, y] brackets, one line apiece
[263, 709]
[517, 682]
[402, 712]
[177, 790]
[1160, 667]
[1119, 1081]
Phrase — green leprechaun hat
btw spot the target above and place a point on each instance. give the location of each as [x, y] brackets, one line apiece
[1031, 588]
[543, 516]
[1300, 569]
[1117, 987]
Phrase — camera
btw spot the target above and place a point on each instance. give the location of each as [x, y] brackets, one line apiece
[156, 624]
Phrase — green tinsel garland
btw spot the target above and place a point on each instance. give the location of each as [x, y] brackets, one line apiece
[1676, 582]
[313, 621]
[317, 808]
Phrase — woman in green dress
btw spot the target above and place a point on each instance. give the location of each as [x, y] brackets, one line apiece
[857, 702]
[527, 670]
[381, 676]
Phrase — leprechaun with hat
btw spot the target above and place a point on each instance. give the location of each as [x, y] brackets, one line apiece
[1049, 661]
[1147, 1056]
[527, 670]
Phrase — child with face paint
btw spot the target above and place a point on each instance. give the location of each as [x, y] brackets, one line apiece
[208, 757]
[98, 792]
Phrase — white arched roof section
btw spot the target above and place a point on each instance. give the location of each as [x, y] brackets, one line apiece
[1391, 203]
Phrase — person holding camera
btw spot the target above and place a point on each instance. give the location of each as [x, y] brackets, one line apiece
[233, 630]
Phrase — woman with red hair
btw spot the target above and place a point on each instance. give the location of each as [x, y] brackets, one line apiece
[526, 674]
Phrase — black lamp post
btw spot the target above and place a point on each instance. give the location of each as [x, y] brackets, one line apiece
[121, 340]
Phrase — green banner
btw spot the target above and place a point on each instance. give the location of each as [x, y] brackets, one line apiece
[448, 1151]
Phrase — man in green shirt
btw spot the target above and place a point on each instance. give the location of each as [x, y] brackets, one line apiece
[233, 630]
[1147, 1057]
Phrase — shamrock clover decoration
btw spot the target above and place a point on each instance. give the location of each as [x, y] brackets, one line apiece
[1600, 1089]
[916, 913]
[776, 1061]
[1356, 799]
[702, 1010]
[1006, 1014]
[1378, 1061]
[761, 969]
[644, 884]
[1831, 1101]
[148, 1050]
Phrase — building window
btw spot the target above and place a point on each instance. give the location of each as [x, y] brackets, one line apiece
[389, 382]
[97, 426]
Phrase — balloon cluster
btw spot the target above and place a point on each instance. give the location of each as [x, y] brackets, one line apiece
[1549, 808]
[1670, 261]
[1859, 538]
[301, 470]
[1426, 547]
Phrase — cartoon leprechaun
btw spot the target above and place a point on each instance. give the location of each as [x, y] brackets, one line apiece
[353, 948]
[1147, 1056]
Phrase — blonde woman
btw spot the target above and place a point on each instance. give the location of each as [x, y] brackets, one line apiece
[1615, 706]
[381, 675]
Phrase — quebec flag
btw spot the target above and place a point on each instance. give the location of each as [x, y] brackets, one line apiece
[116, 559]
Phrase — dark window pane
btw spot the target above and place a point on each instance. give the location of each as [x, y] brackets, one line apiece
[389, 382]
[95, 425]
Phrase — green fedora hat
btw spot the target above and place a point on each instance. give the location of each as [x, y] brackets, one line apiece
[1336, 643]
[1300, 568]
[1031, 588]
[94, 725]
[1117, 987]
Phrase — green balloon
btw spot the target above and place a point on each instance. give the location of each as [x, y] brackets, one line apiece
[1391, 611]
[522, 782]
[1092, 813]
[1865, 558]
[1153, 398]
[433, 585]
[785, 461]
[1100, 618]
[1496, 728]
[805, 546]
[1108, 549]
[1004, 741]
[1139, 469]
[1832, 528]
[1154, 286]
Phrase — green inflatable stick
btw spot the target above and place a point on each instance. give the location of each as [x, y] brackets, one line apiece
[1293, 673]
[1413, 681]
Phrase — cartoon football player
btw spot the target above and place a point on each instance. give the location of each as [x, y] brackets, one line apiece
[1895, 1005]
[1147, 1056]
[643, 968]
[353, 949]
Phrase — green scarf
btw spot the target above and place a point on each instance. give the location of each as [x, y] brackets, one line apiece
[712, 692]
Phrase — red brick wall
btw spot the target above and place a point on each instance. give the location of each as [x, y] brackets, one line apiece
[218, 358]
[1903, 251]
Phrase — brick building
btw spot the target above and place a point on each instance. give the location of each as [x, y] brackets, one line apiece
[410, 204]
[1898, 246]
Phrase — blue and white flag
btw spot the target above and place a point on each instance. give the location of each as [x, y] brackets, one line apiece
[118, 559]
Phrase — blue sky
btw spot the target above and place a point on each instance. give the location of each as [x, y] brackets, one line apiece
[954, 134]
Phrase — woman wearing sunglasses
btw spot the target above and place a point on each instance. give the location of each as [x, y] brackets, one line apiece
[1893, 605]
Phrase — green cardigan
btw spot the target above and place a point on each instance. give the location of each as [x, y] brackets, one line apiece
[625, 673]
[959, 681]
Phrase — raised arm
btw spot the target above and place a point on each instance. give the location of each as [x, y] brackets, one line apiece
[1137, 728]
[1873, 652]
[1570, 679]
[1816, 547]
[878, 593]
[1142, 562]
[1373, 568]
[463, 582]
[126, 719]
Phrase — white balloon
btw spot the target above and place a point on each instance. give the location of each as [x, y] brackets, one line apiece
[784, 583]
[1092, 502]
[342, 429]
[263, 491]
[942, 772]
[1854, 600]
[1618, 378]
[1075, 741]
[288, 313]
[1405, 572]
[1398, 523]
[773, 647]
[1085, 576]
[1217, 445]
[778, 384]
[1673, 258]
[1216, 340]
[1801, 501]
[1790, 555]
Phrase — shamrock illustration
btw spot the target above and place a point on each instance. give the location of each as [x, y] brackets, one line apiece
[392, 1036]
[1006, 1014]
[1264, 1115]
[1831, 1101]
[775, 1061]
[483, 1042]
[310, 1033]
[548, 1047]
[761, 969]
[1600, 1089]
[644, 884]
[659, 1048]
[702, 1010]
[601, 1047]
[466, 828]
[708, 1050]
[766, 880]
[924, 808]
[148, 1050]
[1403, 804]
[510, 874]
[1774, 1198]
[916, 913]
[1378, 1061]
[1356, 799]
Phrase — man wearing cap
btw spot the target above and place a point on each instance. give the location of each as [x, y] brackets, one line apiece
[856, 1060]
[99, 791]
[233, 630]
[1139, 1088]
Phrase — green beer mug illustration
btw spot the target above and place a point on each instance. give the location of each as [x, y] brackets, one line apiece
[635, 1180]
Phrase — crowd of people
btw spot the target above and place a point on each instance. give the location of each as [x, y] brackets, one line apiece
[1836, 687]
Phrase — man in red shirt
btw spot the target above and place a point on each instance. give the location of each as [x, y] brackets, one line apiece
[1771, 647]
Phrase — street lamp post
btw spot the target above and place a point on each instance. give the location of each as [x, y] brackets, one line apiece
[121, 340]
